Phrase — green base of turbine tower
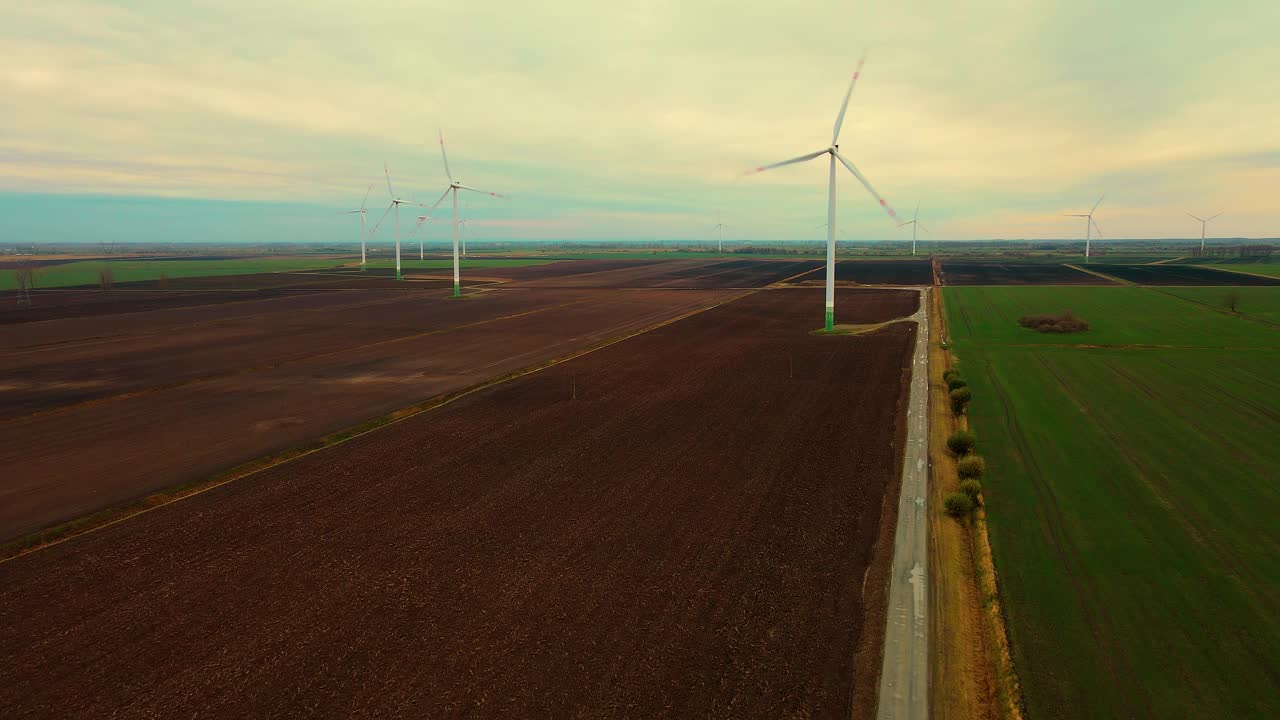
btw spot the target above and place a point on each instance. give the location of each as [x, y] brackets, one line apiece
[399, 276]
[831, 320]
[457, 290]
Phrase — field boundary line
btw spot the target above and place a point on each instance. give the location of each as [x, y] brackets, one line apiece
[109, 517]
[1096, 273]
[1237, 272]
[1214, 308]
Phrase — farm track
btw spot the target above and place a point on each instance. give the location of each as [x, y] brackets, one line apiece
[676, 525]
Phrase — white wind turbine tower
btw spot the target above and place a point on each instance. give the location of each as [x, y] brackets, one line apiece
[1203, 223]
[363, 232]
[454, 187]
[422, 219]
[834, 151]
[395, 205]
[1089, 226]
[464, 230]
[914, 222]
[720, 227]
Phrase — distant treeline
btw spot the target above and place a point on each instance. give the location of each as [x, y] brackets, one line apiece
[1259, 252]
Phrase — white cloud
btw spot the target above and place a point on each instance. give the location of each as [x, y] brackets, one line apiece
[998, 115]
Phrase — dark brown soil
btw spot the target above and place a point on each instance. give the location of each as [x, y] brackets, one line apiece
[710, 273]
[991, 273]
[885, 272]
[678, 525]
[1181, 275]
[101, 410]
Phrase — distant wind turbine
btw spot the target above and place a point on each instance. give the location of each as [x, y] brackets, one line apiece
[720, 227]
[834, 151]
[363, 232]
[914, 222]
[454, 187]
[395, 205]
[1203, 223]
[844, 234]
[422, 219]
[1089, 226]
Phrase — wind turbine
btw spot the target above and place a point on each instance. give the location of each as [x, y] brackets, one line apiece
[1203, 222]
[395, 205]
[464, 226]
[1089, 226]
[421, 220]
[843, 233]
[914, 222]
[834, 151]
[454, 187]
[363, 233]
[720, 226]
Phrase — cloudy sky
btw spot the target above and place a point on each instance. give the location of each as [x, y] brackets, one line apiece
[232, 120]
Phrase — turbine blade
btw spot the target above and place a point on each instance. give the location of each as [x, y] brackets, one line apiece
[445, 156]
[904, 224]
[1095, 227]
[366, 198]
[922, 227]
[1074, 215]
[378, 224]
[1197, 218]
[835, 133]
[1211, 217]
[792, 161]
[866, 184]
[482, 192]
[388, 174]
[1095, 205]
[442, 197]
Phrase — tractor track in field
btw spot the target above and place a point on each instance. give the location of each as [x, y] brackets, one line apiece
[1087, 590]
[1054, 527]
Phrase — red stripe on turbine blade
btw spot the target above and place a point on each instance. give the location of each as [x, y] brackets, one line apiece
[855, 76]
[882, 201]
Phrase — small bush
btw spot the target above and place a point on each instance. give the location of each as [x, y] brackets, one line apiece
[1067, 322]
[958, 505]
[961, 442]
[959, 399]
[950, 374]
[956, 383]
[971, 489]
[971, 468]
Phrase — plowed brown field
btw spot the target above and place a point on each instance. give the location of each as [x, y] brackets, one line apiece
[96, 411]
[684, 524]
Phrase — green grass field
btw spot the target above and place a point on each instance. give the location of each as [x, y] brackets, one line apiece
[1255, 302]
[1268, 269]
[1131, 497]
[466, 264]
[86, 272]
